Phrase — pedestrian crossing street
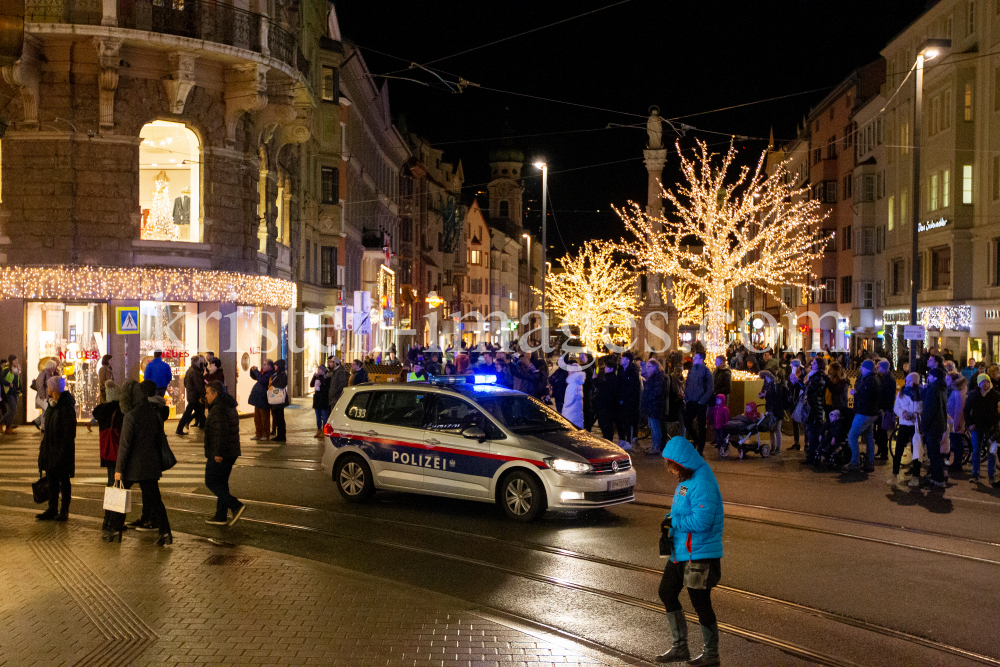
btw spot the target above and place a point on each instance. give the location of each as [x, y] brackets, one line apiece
[19, 458]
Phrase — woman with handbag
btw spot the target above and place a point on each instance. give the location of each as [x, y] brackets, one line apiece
[140, 455]
[258, 399]
[696, 522]
[57, 453]
[907, 408]
[109, 422]
[279, 381]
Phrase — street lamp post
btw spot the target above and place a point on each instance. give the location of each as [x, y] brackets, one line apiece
[527, 243]
[545, 249]
[930, 49]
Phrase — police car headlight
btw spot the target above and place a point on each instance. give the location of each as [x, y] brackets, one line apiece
[567, 467]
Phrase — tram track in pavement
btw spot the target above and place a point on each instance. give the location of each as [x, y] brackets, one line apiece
[787, 647]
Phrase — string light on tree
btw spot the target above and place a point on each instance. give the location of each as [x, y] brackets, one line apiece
[687, 301]
[595, 291]
[160, 226]
[752, 229]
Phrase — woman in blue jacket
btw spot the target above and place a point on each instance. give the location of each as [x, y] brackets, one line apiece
[695, 560]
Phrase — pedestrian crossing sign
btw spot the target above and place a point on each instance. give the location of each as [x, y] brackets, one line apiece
[127, 321]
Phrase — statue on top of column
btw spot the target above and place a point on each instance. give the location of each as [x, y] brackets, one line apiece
[654, 128]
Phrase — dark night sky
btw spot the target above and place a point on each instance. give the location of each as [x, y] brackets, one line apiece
[686, 57]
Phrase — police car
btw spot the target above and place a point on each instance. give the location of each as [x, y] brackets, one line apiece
[464, 437]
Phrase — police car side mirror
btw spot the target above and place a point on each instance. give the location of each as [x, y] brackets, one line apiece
[474, 433]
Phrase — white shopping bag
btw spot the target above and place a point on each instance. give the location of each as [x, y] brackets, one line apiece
[917, 445]
[118, 499]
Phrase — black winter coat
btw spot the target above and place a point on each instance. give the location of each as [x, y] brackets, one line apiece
[258, 394]
[887, 392]
[629, 388]
[338, 380]
[606, 394]
[141, 440]
[867, 395]
[934, 418]
[57, 453]
[816, 387]
[321, 396]
[558, 383]
[108, 416]
[722, 380]
[981, 411]
[774, 399]
[654, 396]
[838, 395]
[194, 384]
[222, 428]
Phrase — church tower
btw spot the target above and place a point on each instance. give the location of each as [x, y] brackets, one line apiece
[506, 189]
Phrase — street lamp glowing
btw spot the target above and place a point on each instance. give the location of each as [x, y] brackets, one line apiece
[931, 54]
[539, 165]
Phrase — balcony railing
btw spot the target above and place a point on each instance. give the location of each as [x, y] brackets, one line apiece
[198, 19]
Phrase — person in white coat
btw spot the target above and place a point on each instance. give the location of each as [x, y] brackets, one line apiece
[573, 402]
[907, 407]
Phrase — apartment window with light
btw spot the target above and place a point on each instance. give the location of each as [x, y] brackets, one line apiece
[967, 184]
[968, 100]
[475, 257]
[330, 185]
[945, 188]
[892, 205]
[932, 203]
[904, 138]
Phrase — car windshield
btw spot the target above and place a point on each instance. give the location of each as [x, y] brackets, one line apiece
[524, 414]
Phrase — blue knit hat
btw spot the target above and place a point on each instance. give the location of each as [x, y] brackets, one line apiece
[868, 365]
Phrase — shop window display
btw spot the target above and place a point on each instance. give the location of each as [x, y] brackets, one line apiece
[313, 353]
[173, 328]
[248, 346]
[170, 183]
[74, 335]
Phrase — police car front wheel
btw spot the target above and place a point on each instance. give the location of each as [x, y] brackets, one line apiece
[522, 496]
[353, 478]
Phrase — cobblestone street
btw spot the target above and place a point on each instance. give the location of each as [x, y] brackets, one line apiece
[71, 599]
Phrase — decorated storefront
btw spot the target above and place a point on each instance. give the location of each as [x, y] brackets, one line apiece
[73, 316]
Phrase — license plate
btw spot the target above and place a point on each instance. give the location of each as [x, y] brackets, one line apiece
[616, 484]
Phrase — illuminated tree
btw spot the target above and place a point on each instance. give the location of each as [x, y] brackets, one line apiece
[725, 232]
[160, 226]
[595, 291]
[687, 301]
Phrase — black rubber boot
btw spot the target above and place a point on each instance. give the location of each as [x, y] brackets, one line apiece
[710, 655]
[679, 632]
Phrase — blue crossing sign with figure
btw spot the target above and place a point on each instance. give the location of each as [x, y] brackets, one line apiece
[127, 320]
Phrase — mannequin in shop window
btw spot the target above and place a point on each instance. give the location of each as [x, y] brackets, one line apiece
[182, 208]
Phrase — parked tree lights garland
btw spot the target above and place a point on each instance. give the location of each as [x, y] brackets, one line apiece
[755, 229]
[595, 291]
[102, 283]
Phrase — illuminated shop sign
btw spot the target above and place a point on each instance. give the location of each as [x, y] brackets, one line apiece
[931, 224]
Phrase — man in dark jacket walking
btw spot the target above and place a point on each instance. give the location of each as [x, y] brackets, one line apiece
[866, 409]
[934, 423]
[699, 390]
[194, 392]
[222, 448]
[360, 374]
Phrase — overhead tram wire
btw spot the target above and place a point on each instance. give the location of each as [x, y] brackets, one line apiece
[515, 36]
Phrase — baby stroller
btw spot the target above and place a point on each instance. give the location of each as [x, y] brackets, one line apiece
[834, 451]
[744, 434]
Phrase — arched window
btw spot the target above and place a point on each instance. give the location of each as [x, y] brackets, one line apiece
[170, 183]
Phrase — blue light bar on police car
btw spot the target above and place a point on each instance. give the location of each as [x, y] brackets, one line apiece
[462, 379]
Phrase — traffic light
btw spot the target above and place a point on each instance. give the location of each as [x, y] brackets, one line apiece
[11, 31]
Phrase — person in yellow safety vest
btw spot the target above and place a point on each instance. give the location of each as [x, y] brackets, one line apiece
[417, 374]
